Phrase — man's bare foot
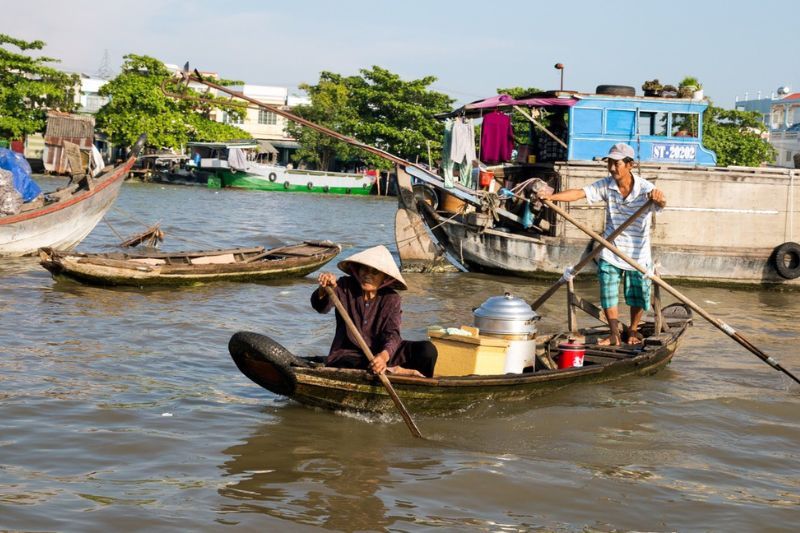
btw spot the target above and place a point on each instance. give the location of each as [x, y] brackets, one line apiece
[607, 342]
[634, 337]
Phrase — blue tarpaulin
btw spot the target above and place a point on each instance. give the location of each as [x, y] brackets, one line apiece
[21, 170]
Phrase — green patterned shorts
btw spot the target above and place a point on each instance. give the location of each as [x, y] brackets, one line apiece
[637, 287]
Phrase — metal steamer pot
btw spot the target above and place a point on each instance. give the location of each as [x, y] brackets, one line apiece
[506, 316]
[512, 319]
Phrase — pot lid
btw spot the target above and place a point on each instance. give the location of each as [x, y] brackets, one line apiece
[506, 307]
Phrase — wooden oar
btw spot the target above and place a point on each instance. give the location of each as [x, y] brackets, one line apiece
[589, 256]
[384, 380]
[722, 326]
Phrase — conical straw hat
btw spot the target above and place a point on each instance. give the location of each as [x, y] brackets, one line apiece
[379, 258]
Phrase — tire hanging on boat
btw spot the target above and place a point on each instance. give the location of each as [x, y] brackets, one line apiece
[786, 260]
[325, 188]
[286, 184]
[249, 346]
[272, 176]
[310, 186]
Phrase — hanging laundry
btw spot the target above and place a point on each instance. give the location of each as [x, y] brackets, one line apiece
[464, 153]
[458, 149]
[497, 138]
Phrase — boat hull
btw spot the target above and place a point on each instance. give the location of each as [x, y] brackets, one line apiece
[720, 226]
[62, 224]
[273, 367]
[281, 180]
[133, 270]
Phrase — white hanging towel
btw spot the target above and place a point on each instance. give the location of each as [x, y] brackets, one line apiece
[97, 164]
[236, 159]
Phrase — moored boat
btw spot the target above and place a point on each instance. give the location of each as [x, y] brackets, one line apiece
[721, 225]
[228, 165]
[308, 381]
[66, 216]
[182, 268]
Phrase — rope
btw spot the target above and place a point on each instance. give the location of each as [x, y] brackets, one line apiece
[120, 237]
[442, 223]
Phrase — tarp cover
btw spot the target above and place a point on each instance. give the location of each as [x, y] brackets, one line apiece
[506, 100]
[21, 170]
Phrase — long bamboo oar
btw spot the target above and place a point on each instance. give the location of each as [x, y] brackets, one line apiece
[589, 256]
[722, 326]
[384, 380]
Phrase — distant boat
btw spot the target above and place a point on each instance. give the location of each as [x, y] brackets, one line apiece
[67, 215]
[226, 165]
[184, 268]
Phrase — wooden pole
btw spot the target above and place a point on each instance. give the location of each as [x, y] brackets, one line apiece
[725, 328]
[384, 380]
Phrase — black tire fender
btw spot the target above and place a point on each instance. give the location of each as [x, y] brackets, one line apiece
[286, 184]
[347, 190]
[786, 260]
[616, 90]
[272, 176]
[310, 186]
[325, 188]
[265, 361]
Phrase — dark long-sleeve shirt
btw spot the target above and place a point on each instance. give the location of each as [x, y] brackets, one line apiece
[377, 320]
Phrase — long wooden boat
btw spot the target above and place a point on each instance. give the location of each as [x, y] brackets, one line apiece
[181, 268]
[66, 216]
[308, 381]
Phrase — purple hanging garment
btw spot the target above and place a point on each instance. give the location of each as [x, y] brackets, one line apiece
[497, 138]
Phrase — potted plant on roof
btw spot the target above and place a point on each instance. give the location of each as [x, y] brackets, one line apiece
[652, 88]
[690, 87]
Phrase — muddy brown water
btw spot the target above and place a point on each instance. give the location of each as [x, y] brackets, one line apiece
[120, 409]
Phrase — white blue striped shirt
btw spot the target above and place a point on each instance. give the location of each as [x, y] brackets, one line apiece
[635, 240]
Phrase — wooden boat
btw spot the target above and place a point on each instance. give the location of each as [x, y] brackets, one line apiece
[180, 268]
[66, 216]
[308, 381]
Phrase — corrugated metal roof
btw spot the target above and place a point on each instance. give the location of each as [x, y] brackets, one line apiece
[67, 125]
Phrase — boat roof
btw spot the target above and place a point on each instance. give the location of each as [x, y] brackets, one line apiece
[547, 99]
[225, 144]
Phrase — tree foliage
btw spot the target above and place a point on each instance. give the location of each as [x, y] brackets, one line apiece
[520, 124]
[29, 88]
[138, 105]
[378, 108]
[735, 136]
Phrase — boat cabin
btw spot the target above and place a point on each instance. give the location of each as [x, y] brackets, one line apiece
[572, 126]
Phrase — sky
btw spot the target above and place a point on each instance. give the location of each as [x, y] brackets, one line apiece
[734, 48]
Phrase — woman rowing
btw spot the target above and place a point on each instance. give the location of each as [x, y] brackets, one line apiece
[368, 293]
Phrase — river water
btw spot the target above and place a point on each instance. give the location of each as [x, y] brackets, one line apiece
[120, 409]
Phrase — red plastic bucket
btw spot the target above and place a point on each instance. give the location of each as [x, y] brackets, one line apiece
[570, 355]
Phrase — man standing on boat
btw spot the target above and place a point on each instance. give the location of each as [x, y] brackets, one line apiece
[624, 193]
[368, 294]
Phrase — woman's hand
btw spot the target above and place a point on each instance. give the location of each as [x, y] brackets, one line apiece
[326, 279]
[378, 364]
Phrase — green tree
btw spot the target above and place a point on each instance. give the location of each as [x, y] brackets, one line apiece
[330, 107]
[138, 105]
[735, 136]
[29, 88]
[520, 124]
[378, 108]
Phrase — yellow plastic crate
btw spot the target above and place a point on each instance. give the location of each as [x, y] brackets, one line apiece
[461, 356]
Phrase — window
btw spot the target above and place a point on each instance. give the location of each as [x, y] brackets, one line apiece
[620, 122]
[229, 118]
[685, 124]
[652, 123]
[267, 117]
[588, 121]
[788, 156]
